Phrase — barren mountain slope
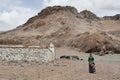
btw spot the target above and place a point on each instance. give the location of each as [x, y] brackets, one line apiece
[64, 26]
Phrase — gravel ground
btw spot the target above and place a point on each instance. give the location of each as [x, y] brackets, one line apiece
[107, 68]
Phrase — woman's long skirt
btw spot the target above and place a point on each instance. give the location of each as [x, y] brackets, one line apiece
[91, 69]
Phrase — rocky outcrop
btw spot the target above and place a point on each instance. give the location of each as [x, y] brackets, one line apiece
[56, 9]
[88, 15]
[115, 17]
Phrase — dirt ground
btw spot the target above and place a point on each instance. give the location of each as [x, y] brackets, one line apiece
[107, 68]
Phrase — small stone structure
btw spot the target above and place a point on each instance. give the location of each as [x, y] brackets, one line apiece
[27, 53]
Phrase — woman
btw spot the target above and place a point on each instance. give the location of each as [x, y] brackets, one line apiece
[91, 63]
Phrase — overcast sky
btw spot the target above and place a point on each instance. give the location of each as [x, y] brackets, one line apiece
[16, 12]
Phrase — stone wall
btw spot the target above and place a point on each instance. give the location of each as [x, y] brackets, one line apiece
[27, 54]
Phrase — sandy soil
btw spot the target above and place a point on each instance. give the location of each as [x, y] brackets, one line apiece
[108, 68]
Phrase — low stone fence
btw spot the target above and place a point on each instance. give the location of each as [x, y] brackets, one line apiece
[27, 54]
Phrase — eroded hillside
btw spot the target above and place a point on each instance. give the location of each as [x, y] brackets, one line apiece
[65, 26]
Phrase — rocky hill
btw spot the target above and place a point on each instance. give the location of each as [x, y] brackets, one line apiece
[65, 26]
[115, 17]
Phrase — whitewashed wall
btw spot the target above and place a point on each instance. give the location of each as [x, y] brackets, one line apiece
[28, 54]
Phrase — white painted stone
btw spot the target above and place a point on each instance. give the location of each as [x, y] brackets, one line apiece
[52, 48]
